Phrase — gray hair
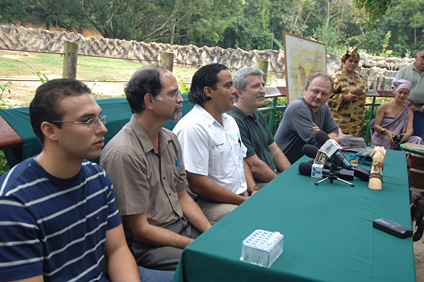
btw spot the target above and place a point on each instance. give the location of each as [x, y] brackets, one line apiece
[240, 77]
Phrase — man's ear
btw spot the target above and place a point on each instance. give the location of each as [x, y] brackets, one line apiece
[148, 100]
[208, 91]
[239, 92]
[49, 130]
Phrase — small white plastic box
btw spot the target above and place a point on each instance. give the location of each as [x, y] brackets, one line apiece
[262, 247]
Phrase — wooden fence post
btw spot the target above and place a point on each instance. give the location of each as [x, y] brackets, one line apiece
[70, 59]
[263, 66]
[167, 60]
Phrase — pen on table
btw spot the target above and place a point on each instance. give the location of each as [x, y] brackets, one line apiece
[178, 163]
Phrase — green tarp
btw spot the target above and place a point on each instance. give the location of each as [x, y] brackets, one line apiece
[117, 110]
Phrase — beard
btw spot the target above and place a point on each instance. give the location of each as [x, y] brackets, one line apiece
[178, 113]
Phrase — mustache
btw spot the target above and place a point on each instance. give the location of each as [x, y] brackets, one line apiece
[178, 107]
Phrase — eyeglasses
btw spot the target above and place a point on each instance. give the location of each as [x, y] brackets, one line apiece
[91, 123]
[175, 95]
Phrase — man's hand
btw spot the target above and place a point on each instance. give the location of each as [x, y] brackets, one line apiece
[315, 127]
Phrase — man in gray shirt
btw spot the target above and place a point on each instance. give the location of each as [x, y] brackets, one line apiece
[415, 74]
[307, 115]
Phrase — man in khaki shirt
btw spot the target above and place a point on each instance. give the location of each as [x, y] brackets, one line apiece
[144, 162]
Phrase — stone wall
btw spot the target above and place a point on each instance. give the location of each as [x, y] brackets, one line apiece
[377, 70]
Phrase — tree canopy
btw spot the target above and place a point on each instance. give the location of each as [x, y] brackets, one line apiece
[380, 27]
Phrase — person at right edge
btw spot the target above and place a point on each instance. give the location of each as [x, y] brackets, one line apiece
[347, 101]
[414, 73]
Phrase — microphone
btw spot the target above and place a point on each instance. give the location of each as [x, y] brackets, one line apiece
[321, 137]
[339, 159]
[320, 159]
[313, 152]
[310, 150]
[307, 169]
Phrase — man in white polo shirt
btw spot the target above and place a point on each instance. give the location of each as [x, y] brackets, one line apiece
[213, 152]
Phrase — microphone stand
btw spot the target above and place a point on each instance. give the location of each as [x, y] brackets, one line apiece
[332, 176]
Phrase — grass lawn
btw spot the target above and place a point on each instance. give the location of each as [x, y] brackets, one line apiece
[106, 77]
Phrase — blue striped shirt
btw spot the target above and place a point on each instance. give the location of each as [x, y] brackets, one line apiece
[55, 227]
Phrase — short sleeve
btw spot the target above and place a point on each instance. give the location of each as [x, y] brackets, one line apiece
[114, 218]
[21, 253]
[194, 142]
[128, 175]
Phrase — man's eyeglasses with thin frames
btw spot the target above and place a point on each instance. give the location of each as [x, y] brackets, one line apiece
[91, 123]
[172, 94]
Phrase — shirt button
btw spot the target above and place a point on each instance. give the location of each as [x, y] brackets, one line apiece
[169, 194]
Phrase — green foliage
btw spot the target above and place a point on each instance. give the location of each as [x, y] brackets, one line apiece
[183, 87]
[386, 52]
[250, 28]
[3, 163]
[375, 8]
[43, 78]
[4, 87]
[245, 24]
[279, 112]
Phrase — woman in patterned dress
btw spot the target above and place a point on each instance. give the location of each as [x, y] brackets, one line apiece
[347, 101]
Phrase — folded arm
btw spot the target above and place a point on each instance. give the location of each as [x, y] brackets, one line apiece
[260, 170]
[206, 188]
[192, 212]
[146, 233]
[280, 159]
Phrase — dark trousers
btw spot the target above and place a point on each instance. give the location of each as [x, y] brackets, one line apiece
[167, 257]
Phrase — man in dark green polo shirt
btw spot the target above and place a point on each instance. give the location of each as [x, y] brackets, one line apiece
[264, 157]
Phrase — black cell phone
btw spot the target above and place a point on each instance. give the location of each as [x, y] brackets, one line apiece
[392, 228]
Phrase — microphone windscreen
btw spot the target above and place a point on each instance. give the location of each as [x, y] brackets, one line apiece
[310, 150]
[321, 137]
[305, 168]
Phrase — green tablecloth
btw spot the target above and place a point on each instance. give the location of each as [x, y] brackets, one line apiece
[328, 232]
[117, 110]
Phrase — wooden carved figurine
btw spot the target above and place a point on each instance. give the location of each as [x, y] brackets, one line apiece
[376, 178]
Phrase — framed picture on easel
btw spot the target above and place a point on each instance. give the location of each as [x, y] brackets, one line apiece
[302, 57]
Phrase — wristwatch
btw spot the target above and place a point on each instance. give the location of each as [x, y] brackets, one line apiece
[382, 130]
[254, 188]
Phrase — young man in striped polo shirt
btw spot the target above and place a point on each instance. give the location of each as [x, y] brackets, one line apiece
[58, 215]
